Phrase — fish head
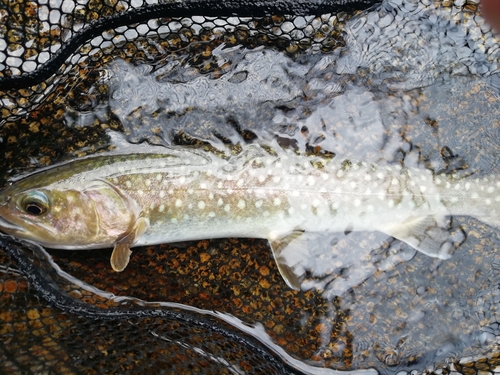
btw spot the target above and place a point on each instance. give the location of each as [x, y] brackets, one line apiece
[65, 218]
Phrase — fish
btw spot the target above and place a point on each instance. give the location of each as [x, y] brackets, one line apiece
[181, 194]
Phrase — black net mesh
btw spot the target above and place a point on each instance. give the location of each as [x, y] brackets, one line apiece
[220, 307]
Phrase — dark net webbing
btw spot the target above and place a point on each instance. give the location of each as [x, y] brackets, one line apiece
[55, 326]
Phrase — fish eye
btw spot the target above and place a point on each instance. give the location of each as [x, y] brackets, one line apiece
[35, 203]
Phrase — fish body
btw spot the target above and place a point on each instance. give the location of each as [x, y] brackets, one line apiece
[130, 200]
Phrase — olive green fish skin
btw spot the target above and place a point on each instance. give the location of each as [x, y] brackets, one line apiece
[141, 199]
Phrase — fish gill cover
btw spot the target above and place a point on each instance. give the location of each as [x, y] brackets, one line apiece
[397, 82]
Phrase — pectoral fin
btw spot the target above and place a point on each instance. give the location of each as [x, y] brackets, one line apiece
[286, 251]
[429, 235]
[120, 257]
[121, 253]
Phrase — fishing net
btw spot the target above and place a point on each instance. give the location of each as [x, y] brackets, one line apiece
[220, 306]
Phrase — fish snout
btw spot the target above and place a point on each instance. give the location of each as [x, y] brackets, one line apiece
[4, 199]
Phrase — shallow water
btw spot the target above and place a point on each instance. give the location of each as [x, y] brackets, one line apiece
[414, 85]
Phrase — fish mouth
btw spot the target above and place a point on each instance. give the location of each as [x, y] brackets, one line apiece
[10, 227]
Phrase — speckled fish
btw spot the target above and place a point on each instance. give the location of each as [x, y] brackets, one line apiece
[138, 199]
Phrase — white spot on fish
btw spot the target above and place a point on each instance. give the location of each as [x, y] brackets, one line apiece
[162, 193]
[457, 187]
[357, 203]
[474, 196]
[295, 193]
[148, 182]
[491, 189]
[454, 200]
[211, 196]
[152, 206]
[335, 206]
[488, 201]
[220, 202]
[276, 179]
[182, 180]
[423, 189]
[261, 178]
[219, 185]
[353, 184]
[140, 192]
[201, 205]
[447, 185]
[258, 204]
[310, 180]
[277, 201]
[240, 182]
[324, 176]
[203, 186]
[211, 214]
[380, 175]
[190, 206]
[190, 191]
[291, 211]
[128, 184]
[227, 208]
[340, 173]
[368, 177]
[186, 217]
[369, 208]
[467, 185]
[265, 213]
[178, 203]
[159, 177]
[241, 204]
[390, 203]
[437, 181]
[395, 181]
[161, 208]
[173, 220]
[316, 203]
